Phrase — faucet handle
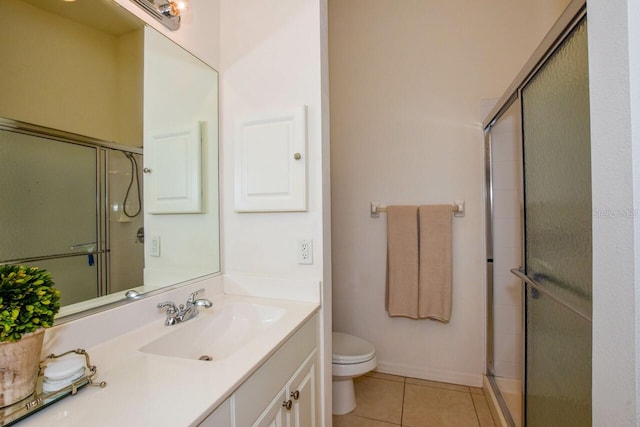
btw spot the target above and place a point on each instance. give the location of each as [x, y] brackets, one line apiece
[192, 296]
[171, 307]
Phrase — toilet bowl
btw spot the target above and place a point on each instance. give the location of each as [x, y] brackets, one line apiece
[352, 357]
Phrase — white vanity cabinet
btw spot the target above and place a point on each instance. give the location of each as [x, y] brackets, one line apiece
[221, 417]
[275, 415]
[282, 392]
[294, 405]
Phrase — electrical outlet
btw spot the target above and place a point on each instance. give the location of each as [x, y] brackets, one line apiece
[154, 250]
[305, 251]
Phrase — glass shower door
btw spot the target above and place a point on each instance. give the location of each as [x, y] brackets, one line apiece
[49, 210]
[506, 347]
[557, 271]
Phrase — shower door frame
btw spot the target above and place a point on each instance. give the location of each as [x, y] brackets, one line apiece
[570, 18]
[102, 190]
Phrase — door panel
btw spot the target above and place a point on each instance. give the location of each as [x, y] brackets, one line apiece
[557, 172]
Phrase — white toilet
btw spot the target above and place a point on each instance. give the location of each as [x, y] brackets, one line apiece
[352, 357]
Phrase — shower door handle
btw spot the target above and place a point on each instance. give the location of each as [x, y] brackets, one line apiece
[539, 289]
[88, 247]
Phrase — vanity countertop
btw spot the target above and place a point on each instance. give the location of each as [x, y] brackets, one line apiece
[151, 390]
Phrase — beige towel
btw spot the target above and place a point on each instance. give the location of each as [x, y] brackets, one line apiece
[434, 300]
[402, 261]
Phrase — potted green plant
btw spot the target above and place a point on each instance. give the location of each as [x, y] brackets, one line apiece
[28, 304]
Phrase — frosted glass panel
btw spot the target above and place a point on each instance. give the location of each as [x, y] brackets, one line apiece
[558, 173]
[558, 385]
[557, 170]
[76, 277]
[53, 206]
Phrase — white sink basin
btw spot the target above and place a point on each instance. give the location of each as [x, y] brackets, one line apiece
[217, 332]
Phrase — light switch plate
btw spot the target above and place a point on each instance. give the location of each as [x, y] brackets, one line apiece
[154, 250]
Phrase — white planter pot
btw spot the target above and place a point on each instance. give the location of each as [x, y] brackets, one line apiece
[19, 365]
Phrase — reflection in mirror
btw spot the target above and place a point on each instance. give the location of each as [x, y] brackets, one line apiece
[79, 81]
[55, 223]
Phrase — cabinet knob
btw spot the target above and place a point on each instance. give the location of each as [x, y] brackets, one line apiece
[146, 170]
[287, 404]
[295, 395]
[297, 156]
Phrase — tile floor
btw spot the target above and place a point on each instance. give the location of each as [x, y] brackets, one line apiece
[388, 400]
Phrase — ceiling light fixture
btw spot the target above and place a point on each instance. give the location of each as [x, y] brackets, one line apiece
[167, 12]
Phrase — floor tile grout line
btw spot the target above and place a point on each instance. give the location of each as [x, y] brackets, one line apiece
[475, 408]
[385, 379]
[374, 419]
[438, 388]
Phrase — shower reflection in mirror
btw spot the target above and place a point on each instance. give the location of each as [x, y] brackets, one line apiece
[77, 210]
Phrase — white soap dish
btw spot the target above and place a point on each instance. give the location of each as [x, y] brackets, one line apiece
[61, 373]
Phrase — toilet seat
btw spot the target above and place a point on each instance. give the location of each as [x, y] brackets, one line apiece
[350, 350]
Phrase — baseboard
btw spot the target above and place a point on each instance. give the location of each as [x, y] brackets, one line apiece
[452, 377]
[494, 406]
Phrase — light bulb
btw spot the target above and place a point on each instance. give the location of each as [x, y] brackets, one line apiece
[170, 9]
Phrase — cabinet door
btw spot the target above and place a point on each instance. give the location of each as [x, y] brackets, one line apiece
[275, 414]
[173, 163]
[302, 391]
[270, 163]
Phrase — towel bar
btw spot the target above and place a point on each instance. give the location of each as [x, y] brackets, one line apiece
[376, 208]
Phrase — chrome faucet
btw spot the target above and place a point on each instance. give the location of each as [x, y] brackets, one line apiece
[184, 312]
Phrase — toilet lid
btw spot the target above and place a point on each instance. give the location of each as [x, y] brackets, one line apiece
[348, 349]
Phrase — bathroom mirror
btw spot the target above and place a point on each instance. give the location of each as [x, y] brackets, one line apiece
[86, 88]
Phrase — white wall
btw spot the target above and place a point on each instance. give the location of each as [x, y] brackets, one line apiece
[78, 89]
[406, 83]
[506, 169]
[270, 61]
[614, 73]
[271, 58]
[126, 258]
[129, 88]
